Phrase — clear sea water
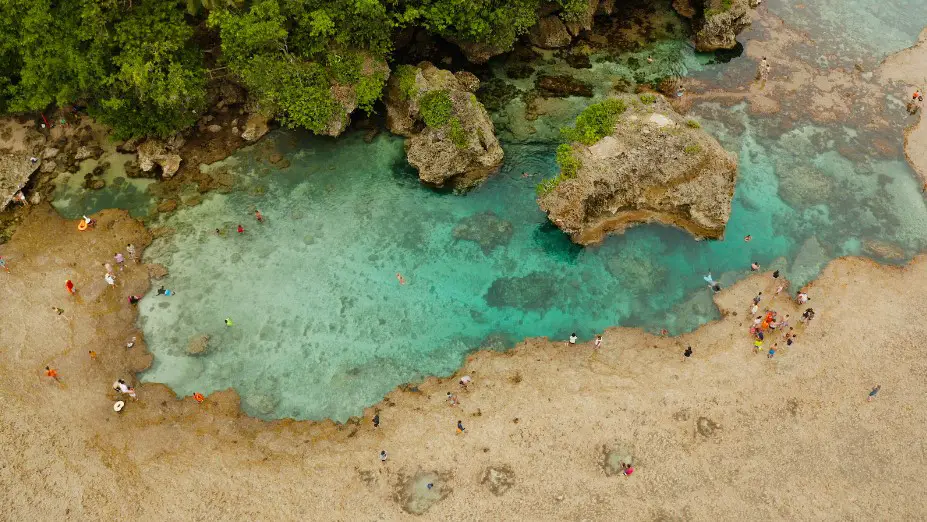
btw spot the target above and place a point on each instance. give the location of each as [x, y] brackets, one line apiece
[323, 329]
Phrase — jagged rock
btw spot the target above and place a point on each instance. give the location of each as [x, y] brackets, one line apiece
[606, 7]
[561, 86]
[15, 170]
[128, 146]
[255, 127]
[652, 167]
[86, 152]
[50, 153]
[48, 166]
[463, 149]
[198, 344]
[95, 184]
[716, 25]
[214, 128]
[468, 81]
[477, 52]
[550, 33]
[583, 22]
[154, 152]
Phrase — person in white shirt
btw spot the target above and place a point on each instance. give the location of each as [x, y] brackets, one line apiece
[598, 341]
[573, 338]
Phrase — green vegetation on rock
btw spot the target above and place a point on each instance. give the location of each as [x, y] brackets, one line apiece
[692, 124]
[436, 108]
[405, 74]
[648, 99]
[595, 122]
[569, 165]
[147, 67]
[457, 133]
[693, 148]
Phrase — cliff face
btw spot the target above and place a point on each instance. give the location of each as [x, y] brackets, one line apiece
[654, 167]
[716, 22]
[451, 139]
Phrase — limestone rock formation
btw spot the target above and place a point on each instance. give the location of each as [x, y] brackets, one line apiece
[716, 22]
[550, 33]
[15, 170]
[653, 166]
[346, 95]
[451, 139]
[155, 152]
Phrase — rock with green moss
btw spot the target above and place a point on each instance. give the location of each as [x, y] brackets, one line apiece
[451, 139]
[630, 162]
[716, 22]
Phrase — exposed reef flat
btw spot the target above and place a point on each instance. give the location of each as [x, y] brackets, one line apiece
[725, 435]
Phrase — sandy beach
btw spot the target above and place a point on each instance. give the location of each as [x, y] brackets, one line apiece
[727, 434]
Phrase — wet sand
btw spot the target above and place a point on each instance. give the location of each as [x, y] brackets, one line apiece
[727, 434]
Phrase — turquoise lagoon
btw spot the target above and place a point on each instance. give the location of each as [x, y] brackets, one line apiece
[323, 329]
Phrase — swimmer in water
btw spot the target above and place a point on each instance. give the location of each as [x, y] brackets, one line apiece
[526, 175]
[259, 216]
[747, 238]
[401, 279]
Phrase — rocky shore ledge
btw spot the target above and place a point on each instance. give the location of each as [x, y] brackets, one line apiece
[547, 423]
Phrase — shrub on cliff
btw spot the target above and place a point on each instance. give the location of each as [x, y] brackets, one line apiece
[595, 122]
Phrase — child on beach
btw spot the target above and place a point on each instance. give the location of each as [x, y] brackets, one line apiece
[873, 393]
[757, 346]
[460, 427]
[452, 399]
[772, 351]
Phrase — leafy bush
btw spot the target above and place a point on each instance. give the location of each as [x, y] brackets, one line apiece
[692, 124]
[595, 122]
[436, 108]
[648, 99]
[567, 161]
[405, 76]
[457, 133]
[693, 148]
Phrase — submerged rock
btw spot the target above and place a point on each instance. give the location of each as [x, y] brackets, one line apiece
[653, 166]
[561, 86]
[535, 291]
[716, 22]
[486, 229]
[451, 139]
[198, 344]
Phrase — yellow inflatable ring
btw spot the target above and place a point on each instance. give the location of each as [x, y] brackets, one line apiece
[82, 225]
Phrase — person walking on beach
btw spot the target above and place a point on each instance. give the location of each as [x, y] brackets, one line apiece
[807, 316]
[757, 346]
[69, 285]
[110, 280]
[53, 373]
[573, 338]
[383, 456]
[772, 351]
[802, 297]
[121, 387]
[790, 340]
[873, 393]
[93, 355]
[460, 427]
[452, 399]
[3, 265]
[376, 420]
[120, 260]
[198, 397]
[465, 381]
[598, 341]
[758, 298]
[686, 354]
[626, 469]
[130, 248]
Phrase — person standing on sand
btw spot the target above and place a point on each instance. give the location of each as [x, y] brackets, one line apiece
[452, 399]
[93, 355]
[790, 340]
[383, 456]
[460, 427]
[802, 297]
[376, 420]
[598, 341]
[53, 373]
[873, 393]
[3, 265]
[69, 285]
[626, 469]
[757, 346]
[572, 338]
[772, 351]
[465, 381]
[120, 260]
[686, 354]
[130, 248]
[110, 280]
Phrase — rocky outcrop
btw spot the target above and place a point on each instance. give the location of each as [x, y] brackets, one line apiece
[156, 152]
[15, 170]
[716, 22]
[562, 86]
[654, 166]
[451, 140]
[345, 95]
[256, 127]
[550, 33]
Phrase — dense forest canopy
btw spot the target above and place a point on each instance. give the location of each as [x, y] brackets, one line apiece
[144, 66]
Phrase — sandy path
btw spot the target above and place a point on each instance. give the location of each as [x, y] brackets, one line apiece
[726, 435]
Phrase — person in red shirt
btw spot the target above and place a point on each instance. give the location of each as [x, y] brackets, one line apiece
[241, 229]
[53, 373]
[70, 286]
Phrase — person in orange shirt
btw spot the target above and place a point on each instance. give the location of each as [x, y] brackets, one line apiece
[93, 355]
[53, 373]
[70, 286]
[198, 397]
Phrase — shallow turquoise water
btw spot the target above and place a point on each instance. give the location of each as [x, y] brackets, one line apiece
[323, 329]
